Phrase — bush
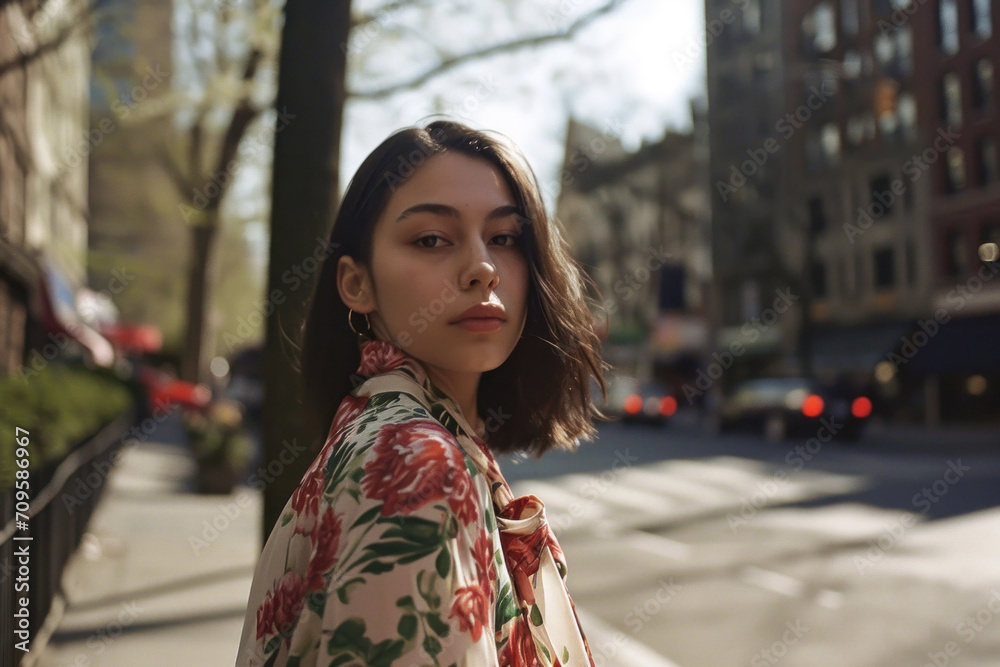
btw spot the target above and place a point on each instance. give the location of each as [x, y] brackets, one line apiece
[59, 407]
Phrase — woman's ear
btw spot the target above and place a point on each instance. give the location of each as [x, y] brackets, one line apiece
[354, 285]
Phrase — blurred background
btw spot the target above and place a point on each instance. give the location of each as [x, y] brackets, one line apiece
[791, 210]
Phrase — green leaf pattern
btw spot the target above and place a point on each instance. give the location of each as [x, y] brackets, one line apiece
[341, 625]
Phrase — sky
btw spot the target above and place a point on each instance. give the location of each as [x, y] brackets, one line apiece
[630, 72]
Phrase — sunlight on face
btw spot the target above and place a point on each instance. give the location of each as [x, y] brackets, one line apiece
[433, 263]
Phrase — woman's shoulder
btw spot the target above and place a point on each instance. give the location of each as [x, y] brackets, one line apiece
[360, 419]
[393, 429]
[391, 452]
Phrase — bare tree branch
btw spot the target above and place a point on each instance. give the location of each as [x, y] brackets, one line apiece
[66, 31]
[387, 8]
[173, 170]
[504, 47]
[242, 117]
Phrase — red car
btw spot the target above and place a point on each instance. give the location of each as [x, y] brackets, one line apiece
[164, 389]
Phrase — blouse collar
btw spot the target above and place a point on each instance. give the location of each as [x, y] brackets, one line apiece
[381, 356]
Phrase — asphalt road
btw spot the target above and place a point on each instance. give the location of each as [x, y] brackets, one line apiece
[714, 550]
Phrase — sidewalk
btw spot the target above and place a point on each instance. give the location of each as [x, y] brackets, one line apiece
[141, 590]
[162, 577]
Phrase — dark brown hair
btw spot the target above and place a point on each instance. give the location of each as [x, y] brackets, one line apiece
[544, 385]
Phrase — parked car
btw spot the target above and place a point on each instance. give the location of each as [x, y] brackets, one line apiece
[246, 381]
[631, 400]
[783, 407]
[165, 389]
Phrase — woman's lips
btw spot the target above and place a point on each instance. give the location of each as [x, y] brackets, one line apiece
[480, 324]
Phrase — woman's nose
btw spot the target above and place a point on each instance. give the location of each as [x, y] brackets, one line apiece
[480, 267]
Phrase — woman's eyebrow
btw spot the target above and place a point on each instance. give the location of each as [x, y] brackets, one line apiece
[452, 212]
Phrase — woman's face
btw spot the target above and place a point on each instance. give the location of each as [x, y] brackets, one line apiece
[448, 240]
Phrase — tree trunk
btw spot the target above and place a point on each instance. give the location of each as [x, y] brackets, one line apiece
[311, 94]
[203, 237]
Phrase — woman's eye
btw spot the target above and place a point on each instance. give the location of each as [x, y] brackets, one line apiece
[513, 238]
[429, 236]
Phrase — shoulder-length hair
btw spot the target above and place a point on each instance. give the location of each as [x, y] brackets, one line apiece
[540, 396]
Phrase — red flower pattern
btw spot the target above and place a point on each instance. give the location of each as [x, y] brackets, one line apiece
[524, 552]
[350, 407]
[325, 542]
[379, 356]
[472, 609]
[305, 499]
[414, 464]
[281, 606]
[519, 651]
[486, 570]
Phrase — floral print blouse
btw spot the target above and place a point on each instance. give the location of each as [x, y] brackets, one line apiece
[391, 551]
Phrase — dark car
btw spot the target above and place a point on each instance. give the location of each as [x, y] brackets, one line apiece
[798, 406]
[246, 381]
[632, 400]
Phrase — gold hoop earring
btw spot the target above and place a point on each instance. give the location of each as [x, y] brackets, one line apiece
[350, 323]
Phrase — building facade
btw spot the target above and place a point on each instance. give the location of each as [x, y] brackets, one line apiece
[44, 74]
[843, 173]
[638, 223]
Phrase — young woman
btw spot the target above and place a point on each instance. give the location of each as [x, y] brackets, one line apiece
[450, 325]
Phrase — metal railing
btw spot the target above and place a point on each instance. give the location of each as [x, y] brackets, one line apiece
[55, 528]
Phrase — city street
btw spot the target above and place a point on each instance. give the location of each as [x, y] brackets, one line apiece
[728, 550]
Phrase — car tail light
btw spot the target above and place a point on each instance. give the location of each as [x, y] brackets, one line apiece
[668, 406]
[812, 406]
[633, 404]
[861, 407]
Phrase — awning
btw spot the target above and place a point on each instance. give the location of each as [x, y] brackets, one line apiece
[133, 338]
[749, 341]
[677, 334]
[962, 345]
[855, 349]
[59, 315]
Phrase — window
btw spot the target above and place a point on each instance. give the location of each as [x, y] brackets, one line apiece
[885, 49]
[881, 191]
[981, 22]
[986, 155]
[957, 264]
[951, 99]
[830, 143]
[982, 84]
[906, 108]
[852, 64]
[904, 49]
[885, 269]
[819, 29]
[884, 100]
[751, 17]
[849, 16]
[819, 280]
[948, 26]
[817, 218]
[954, 169]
